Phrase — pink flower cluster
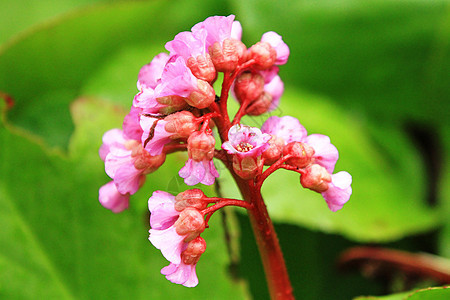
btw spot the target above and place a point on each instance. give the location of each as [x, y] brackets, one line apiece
[176, 109]
[312, 155]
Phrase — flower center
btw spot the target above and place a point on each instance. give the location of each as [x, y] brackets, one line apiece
[244, 147]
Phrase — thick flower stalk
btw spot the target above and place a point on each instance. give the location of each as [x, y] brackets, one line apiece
[177, 109]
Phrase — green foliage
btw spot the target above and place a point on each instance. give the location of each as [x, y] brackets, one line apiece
[370, 68]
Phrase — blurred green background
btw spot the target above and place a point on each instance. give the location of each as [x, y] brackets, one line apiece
[373, 75]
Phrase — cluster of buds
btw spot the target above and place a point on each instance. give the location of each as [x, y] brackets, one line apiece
[177, 109]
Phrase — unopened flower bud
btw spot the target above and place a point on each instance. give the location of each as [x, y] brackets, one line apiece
[181, 124]
[315, 178]
[241, 50]
[275, 150]
[247, 167]
[190, 198]
[263, 54]
[190, 223]
[225, 57]
[143, 160]
[203, 96]
[171, 104]
[260, 105]
[202, 67]
[248, 86]
[201, 146]
[302, 154]
[193, 251]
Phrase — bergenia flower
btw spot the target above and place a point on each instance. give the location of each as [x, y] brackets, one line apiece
[150, 74]
[187, 44]
[110, 198]
[185, 273]
[159, 135]
[325, 153]
[287, 128]
[275, 40]
[200, 166]
[339, 190]
[131, 124]
[246, 141]
[218, 29]
[127, 163]
[171, 238]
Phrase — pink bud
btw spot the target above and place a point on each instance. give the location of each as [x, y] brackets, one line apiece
[275, 150]
[247, 167]
[190, 223]
[203, 97]
[171, 104]
[202, 67]
[181, 124]
[201, 146]
[315, 178]
[225, 56]
[194, 250]
[190, 198]
[261, 105]
[301, 152]
[263, 54]
[241, 51]
[248, 86]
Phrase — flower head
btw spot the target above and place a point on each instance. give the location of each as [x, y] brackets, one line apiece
[246, 141]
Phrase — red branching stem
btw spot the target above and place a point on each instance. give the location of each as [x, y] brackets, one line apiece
[241, 112]
[220, 154]
[269, 248]
[292, 168]
[226, 85]
[278, 164]
[171, 148]
[222, 202]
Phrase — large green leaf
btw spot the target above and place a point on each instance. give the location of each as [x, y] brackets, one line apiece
[46, 69]
[58, 242]
[388, 182]
[437, 293]
[389, 57]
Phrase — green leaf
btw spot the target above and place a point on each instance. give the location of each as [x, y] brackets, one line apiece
[44, 70]
[434, 293]
[388, 57]
[388, 185]
[58, 242]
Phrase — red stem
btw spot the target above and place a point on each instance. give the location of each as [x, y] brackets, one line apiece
[269, 248]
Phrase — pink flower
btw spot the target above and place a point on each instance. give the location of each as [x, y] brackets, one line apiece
[187, 44]
[246, 141]
[162, 208]
[218, 28]
[131, 128]
[159, 132]
[110, 198]
[181, 274]
[127, 162]
[170, 237]
[150, 74]
[275, 88]
[113, 137]
[160, 136]
[277, 43]
[200, 166]
[184, 273]
[339, 190]
[287, 128]
[325, 153]
[195, 172]
[176, 79]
